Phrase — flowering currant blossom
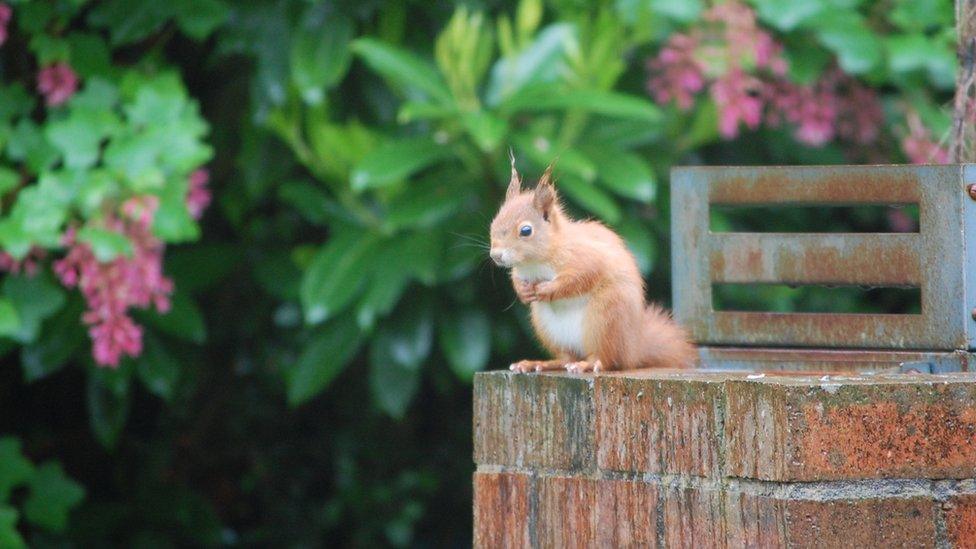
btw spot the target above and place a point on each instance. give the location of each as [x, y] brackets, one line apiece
[28, 265]
[57, 83]
[198, 197]
[5, 14]
[919, 146]
[743, 68]
[111, 288]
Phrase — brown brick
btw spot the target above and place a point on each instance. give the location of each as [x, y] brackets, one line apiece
[693, 516]
[881, 522]
[754, 521]
[767, 521]
[532, 420]
[566, 515]
[960, 517]
[807, 429]
[626, 514]
[659, 423]
[501, 510]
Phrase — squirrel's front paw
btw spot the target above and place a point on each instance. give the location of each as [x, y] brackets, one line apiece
[544, 291]
[525, 291]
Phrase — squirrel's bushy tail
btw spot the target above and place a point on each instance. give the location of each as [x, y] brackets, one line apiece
[665, 343]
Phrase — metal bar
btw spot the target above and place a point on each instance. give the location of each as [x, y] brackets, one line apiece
[835, 185]
[865, 259]
[969, 254]
[833, 329]
[827, 360]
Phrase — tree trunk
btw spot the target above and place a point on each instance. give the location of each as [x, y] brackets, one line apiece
[962, 146]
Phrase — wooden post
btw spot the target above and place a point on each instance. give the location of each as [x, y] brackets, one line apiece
[963, 142]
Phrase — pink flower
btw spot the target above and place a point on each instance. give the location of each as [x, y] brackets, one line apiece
[919, 146]
[677, 74]
[30, 264]
[5, 14]
[112, 288]
[737, 97]
[198, 197]
[57, 83]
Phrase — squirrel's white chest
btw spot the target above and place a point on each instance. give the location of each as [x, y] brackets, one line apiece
[561, 320]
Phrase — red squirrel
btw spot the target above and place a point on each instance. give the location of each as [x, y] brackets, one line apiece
[583, 286]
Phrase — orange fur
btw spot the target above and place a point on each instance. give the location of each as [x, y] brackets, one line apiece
[582, 268]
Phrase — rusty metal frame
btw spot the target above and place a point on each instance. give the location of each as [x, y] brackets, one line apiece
[940, 259]
[765, 359]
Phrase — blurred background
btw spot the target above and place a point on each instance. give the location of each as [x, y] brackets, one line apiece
[245, 284]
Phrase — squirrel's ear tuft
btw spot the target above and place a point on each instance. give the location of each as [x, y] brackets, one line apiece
[515, 183]
[545, 194]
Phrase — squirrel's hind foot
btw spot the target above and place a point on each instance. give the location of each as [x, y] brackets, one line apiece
[583, 366]
[526, 366]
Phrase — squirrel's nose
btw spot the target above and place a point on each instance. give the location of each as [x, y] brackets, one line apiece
[496, 256]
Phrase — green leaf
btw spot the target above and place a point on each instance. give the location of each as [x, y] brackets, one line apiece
[306, 198]
[324, 358]
[79, 136]
[15, 469]
[396, 353]
[90, 55]
[61, 337]
[402, 68]
[35, 298]
[786, 16]
[129, 21]
[486, 129]
[9, 536]
[183, 320]
[9, 179]
[336, 275]
[606, 103]
[14, 102]
[405, 340]
[542, 61]
[385, 289]
[320, 51]
[9, 319]
[915, 52]
[425, 204]
[685, 11]
[419, 254]
[921, 15]
[393, 387]
[199, 18]
[173, 222]
[52, 496]
[28, 144]
[807, 65]
[396, 161]
[465, 339]
[108, 404]
[590, 197]
[412, 111]
[158, 370]
[846, 34]
[703, 128]
[624, 173]
[106, 244]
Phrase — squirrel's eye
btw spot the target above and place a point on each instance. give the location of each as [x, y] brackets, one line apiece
[525, 230]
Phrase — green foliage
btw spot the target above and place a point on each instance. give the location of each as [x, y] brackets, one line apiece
[51, 494]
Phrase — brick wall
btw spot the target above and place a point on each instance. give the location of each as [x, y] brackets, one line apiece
[697, 459]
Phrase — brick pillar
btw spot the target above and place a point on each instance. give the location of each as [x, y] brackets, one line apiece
[698, 459]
